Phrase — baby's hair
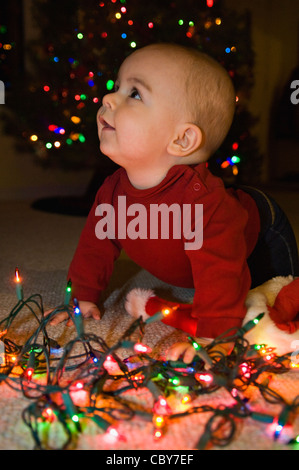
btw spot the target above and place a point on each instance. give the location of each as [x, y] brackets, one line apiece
[210, 93]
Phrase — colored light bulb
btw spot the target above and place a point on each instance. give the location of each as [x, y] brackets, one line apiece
[78, 320]
[17, 275]
[162, 402]
[77, 310]
[112, 435]
[142, 348]
[251, 323]
[110, 85]
[159, 421]
[175, 380]
[235, 159]
[29, 373]
[196, 345]
[70, 407]
[203, 377]
[160, 315]
[68, 293]
[19, 288]
[186, 399]
[48, 414]
[30, 367]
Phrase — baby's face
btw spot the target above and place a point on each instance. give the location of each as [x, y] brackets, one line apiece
[137, 120]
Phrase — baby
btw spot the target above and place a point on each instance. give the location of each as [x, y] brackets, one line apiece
[171, 109]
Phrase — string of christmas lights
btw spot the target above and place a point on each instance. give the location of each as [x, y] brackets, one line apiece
[52, 375]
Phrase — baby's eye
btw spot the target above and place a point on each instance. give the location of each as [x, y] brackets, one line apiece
[135, 94]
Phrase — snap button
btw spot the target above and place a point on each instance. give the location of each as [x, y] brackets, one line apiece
[196, 186]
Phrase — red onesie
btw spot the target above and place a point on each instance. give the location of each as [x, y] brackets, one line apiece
[216, 268]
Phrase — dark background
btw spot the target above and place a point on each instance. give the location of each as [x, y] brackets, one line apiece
[275, 38]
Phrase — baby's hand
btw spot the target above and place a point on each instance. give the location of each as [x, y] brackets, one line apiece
[188, 352]
[184, 349]
[88, 309]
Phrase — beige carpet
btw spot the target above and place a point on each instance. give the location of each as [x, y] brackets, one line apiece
[41, 245]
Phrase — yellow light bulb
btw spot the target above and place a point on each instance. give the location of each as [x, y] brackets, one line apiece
[75, 119]
[166, 311]
[159, 421]
[186, 399]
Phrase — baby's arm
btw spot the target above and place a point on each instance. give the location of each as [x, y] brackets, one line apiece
[92, 265]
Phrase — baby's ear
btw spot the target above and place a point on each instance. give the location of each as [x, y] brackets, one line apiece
[188, 139]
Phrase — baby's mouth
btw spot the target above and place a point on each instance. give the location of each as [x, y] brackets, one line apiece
[105, 124]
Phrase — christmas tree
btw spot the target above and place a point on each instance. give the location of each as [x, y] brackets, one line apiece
[75, 60]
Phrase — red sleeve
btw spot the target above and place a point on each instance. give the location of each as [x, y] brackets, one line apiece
[92, 265]
[220, 272]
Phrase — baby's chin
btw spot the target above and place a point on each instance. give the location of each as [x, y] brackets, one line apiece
[108, 154]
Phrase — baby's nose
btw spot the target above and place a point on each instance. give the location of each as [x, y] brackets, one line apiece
[102, 110]
[109, 101]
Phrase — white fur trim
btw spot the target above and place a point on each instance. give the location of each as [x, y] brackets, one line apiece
[266, 332]
[136, 301]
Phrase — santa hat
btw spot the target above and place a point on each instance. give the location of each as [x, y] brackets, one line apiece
[279, 327]
[285, 311]
[144, 303]
[278, 299]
